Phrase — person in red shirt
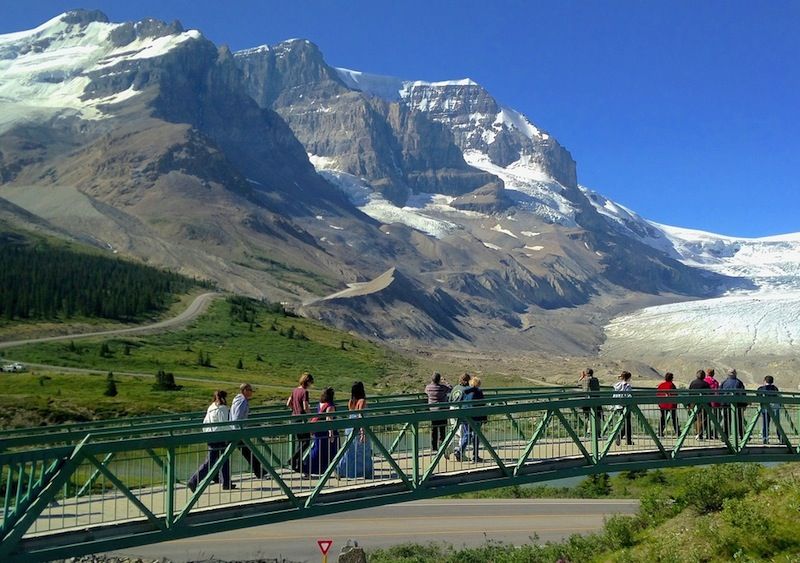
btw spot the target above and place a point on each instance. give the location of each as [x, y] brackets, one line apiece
[713, 384]
[667, 409]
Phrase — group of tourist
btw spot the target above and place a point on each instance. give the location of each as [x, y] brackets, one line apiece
[313, 452]
[356, 461]
[719, 414]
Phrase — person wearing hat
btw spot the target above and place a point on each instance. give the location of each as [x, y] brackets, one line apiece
[733, 386]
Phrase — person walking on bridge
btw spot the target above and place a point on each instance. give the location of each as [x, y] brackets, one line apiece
[699, 384]
[240, 410]
[298, 402]
[437, 391]
[217, 412]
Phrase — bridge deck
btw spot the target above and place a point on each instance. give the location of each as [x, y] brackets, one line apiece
[120, 487]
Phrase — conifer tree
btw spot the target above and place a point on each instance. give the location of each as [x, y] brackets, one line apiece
[111, 386]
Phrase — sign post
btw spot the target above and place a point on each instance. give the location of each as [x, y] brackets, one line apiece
[324, 546]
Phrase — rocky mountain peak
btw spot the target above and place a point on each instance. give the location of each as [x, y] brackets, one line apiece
[83, 17]
[148, 28]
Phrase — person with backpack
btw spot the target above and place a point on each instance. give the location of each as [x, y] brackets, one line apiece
[590, 385]
[769, 411]
[456, 396]
[437, 392]
[734, 386]
[473, 394]
[668, 410]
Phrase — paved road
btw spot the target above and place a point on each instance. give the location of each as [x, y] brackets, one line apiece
[194, 310]
[458, 522]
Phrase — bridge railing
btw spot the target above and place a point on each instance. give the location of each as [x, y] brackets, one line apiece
[72, 433]
[124, 486]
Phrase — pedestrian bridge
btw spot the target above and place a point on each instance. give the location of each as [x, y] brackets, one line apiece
[85, 488]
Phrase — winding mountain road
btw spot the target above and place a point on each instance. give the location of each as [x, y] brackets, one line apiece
[194, 310]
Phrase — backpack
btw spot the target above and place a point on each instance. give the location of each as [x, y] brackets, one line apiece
[456, 395]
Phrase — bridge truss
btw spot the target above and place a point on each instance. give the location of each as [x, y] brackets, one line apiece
[86, 488]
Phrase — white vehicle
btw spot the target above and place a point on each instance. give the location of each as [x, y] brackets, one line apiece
[15, 367]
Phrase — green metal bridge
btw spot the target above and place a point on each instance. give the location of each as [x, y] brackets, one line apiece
[84, 488]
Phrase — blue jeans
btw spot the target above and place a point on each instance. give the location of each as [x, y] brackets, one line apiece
[467, 436]
[215, 450]
[766, 415]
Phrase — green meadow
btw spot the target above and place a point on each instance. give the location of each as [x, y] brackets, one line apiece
[236, 340]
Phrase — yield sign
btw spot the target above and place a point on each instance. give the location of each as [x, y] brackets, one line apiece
[324, 546]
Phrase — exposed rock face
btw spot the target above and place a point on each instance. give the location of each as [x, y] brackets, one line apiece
[479, 123]
[398, 149]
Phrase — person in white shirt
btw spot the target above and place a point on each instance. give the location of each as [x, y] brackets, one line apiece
[217, 412]
[622, 389]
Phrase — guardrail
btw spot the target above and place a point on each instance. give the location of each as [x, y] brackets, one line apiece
[120, 486]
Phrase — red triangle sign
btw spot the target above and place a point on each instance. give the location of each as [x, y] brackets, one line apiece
[324, 546]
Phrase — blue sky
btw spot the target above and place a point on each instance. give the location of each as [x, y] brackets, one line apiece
[686, 112]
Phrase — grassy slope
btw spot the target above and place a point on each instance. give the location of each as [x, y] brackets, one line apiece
[216, 334]
[740, 512]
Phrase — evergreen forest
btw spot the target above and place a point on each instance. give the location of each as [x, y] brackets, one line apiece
[41, 281]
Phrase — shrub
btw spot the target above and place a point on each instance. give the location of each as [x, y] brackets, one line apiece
[620, 531]
[594, 486]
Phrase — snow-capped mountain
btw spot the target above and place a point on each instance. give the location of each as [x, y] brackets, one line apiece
[759, 318]
[771, 263]
[56, 69]
[281, 176]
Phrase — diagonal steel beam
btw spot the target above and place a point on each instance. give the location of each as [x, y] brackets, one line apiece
[476, 428]
[537, 434]
[448, 439]
[201, 486]
[272, 471]
[573, 435]
[648, 428]
[127, 492]
[687, 429]
[332, 467]
[388, 457]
